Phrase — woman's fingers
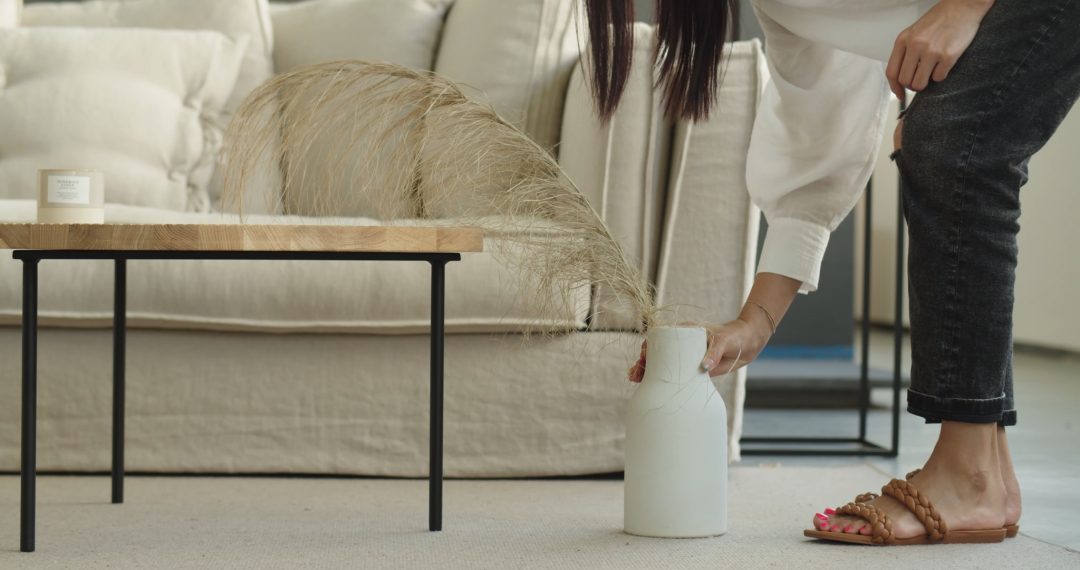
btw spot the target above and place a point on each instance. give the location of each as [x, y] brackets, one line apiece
[909, 67]
[637, 371]
[922, 76]
[943, 67]
[892, 70]
[728, 365]
[731, 359]
[714, 354]
[927, 50]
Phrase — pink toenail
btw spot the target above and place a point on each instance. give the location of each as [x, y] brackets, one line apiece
[847, 528]
[830, 511]
[822, 517]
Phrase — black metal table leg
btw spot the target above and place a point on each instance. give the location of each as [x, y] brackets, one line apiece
[438, 268]
[864, 349]
[119, 341]
[28, 473]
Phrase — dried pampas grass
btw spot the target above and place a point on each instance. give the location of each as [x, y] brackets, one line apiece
[355, 138]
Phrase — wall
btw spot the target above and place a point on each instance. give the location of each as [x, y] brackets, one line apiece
[1047, 312]
[644, 10]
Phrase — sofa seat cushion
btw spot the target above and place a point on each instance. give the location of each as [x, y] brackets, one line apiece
[143, 106]
[482, 294]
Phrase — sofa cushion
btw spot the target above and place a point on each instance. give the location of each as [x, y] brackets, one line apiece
[140, 105]
[482, 294]
[404, 32]
[234, 18]
[517, 55]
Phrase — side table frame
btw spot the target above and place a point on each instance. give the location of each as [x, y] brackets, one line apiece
[32, 258]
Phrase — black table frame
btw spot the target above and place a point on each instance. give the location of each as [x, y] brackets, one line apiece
[859, 445]
[31, 259]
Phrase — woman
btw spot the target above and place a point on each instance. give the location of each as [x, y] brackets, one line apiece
[994, 80]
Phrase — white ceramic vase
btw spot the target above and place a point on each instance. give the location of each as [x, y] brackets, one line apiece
[676, 443]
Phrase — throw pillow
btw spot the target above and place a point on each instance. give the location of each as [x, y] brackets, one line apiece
[519, 54]
[140, 105]
[234, 18]
[405, 32]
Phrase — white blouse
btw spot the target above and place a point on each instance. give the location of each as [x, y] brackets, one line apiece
[819, 126]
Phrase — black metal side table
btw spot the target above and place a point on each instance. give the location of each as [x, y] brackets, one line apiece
[35, 243]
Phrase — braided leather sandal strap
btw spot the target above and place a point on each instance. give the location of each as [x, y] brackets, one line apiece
[880, 524]
[866, 497]
[919, 505]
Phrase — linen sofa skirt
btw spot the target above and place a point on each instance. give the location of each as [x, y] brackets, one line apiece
[218, 402]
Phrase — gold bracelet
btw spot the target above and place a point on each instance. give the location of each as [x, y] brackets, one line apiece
[768, 315]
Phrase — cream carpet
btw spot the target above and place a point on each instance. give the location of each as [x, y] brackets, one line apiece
[224, 522]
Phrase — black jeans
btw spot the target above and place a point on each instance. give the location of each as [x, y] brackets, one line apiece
[963, 158]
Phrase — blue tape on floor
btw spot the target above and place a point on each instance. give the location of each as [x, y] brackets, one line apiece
[784, 352]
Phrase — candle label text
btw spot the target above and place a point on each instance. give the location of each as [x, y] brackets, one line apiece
[69, 189]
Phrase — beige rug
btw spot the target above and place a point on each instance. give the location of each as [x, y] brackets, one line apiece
[171, 522]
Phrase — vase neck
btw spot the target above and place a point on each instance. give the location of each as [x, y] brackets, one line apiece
[675, 354]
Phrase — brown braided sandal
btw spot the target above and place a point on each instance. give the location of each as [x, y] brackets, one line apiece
[881, 526]
[1011, 530]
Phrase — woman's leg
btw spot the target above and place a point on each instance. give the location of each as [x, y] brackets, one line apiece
[963, 158]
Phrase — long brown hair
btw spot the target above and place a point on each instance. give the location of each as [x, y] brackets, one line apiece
[690, 45]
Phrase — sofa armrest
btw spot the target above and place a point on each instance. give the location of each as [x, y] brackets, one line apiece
[622, 169]
[673, 195]
[708, 249]
[709, 244]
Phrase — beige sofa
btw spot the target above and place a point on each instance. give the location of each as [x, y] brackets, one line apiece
[322, 368]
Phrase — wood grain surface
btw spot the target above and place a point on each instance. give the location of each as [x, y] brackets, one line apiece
[212, 237]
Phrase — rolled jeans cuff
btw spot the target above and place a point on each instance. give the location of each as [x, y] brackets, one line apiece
[934, 409]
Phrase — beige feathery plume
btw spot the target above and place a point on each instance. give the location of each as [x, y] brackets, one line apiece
[398, 144]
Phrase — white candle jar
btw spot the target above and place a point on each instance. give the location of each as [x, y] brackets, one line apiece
[71, 197]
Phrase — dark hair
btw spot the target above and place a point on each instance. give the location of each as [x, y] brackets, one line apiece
[690, 44]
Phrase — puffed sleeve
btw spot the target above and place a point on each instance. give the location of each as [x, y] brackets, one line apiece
[813, 147]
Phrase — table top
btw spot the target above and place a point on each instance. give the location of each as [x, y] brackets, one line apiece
[240, 237]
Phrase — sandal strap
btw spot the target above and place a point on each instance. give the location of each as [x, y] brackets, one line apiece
[880, 524]
[919, 505]
[867, 497]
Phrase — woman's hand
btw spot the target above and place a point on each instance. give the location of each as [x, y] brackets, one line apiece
[731, 346]
[734, 345]
[931, 46]
[737, 343]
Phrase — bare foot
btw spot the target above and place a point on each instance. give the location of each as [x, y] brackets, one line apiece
[1008, 475]
[963, 478]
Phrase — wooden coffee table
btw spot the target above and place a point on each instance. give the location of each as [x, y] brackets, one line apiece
[119, 243]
